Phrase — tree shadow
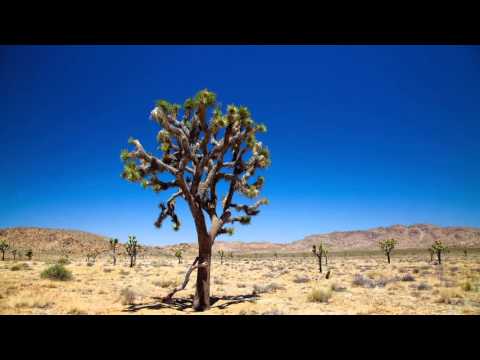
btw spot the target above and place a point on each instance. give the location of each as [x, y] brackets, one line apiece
[184, 303]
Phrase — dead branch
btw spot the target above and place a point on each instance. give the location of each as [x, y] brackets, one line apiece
[167, 299]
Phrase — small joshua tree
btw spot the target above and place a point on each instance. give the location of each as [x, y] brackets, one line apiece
[201, 147]
[275, 255]
[319, 253]
[178, 255]
[3, 247]
[221, 253]
[326, 256]
[29, 254]
[14, 253]
[231, 255]
[465, 251]
[132, 249]
[91, 257]
[113, 248]
[387, 247]
[438, 248]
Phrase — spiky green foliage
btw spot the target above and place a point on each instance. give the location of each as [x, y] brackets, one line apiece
[387, 247]
[319, 253]
[221, 253]
[439, 248]
[113, 248]
[29, 254]
[178, 255]
[197, 154]
[3, 247]
[131, 247]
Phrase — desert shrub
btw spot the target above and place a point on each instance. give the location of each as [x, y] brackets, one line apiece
[301, 279]
[423, 286]
[416, 271]
[261, 289]
[107, 270]
[320, 295]
[76, 311]
[408, 277]
[360, 280]
[450, 296]
[127, 296]
[467, 286]
[56, 272]
[337, 287]
[219, 281]
[241, 285]
[382, 282]
[89, 264]
[164, 283]
[123, 272]
[18, 267]
[63, 261]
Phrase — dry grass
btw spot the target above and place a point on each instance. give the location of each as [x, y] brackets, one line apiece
[358, 285]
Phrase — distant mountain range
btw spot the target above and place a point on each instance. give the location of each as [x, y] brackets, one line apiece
[409, 237]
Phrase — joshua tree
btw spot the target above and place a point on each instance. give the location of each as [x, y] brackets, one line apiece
[178, 255]
[387, 247]
[325, 251]
[132, 248]
[29, 254]
[3, 247]
[221, 253]
[14, 253]
[438, 248]
[431, 252]
[465, 251]
[113, 248]
[231, 255]
[275, 254]
[319, 253]
[197, 154]
[92, 256]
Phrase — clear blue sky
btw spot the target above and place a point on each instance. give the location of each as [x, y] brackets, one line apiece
[360, 136]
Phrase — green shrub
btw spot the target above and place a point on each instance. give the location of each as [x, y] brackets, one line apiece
[56, 272]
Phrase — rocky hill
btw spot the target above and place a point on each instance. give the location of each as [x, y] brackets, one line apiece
[409, 237]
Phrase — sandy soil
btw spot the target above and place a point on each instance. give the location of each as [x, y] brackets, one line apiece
[357, 285]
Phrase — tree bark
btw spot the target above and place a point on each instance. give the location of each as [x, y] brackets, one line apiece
[201, 301]
[439, 256]
[3, 255]
[388, 257]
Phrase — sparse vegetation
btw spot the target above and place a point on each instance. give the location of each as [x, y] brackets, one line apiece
[29, 254]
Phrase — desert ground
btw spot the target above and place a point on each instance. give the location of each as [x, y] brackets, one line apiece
[361, 284]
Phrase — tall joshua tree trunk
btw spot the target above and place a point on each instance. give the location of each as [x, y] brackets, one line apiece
[388, 257]
[201, 301]
[439, 257]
